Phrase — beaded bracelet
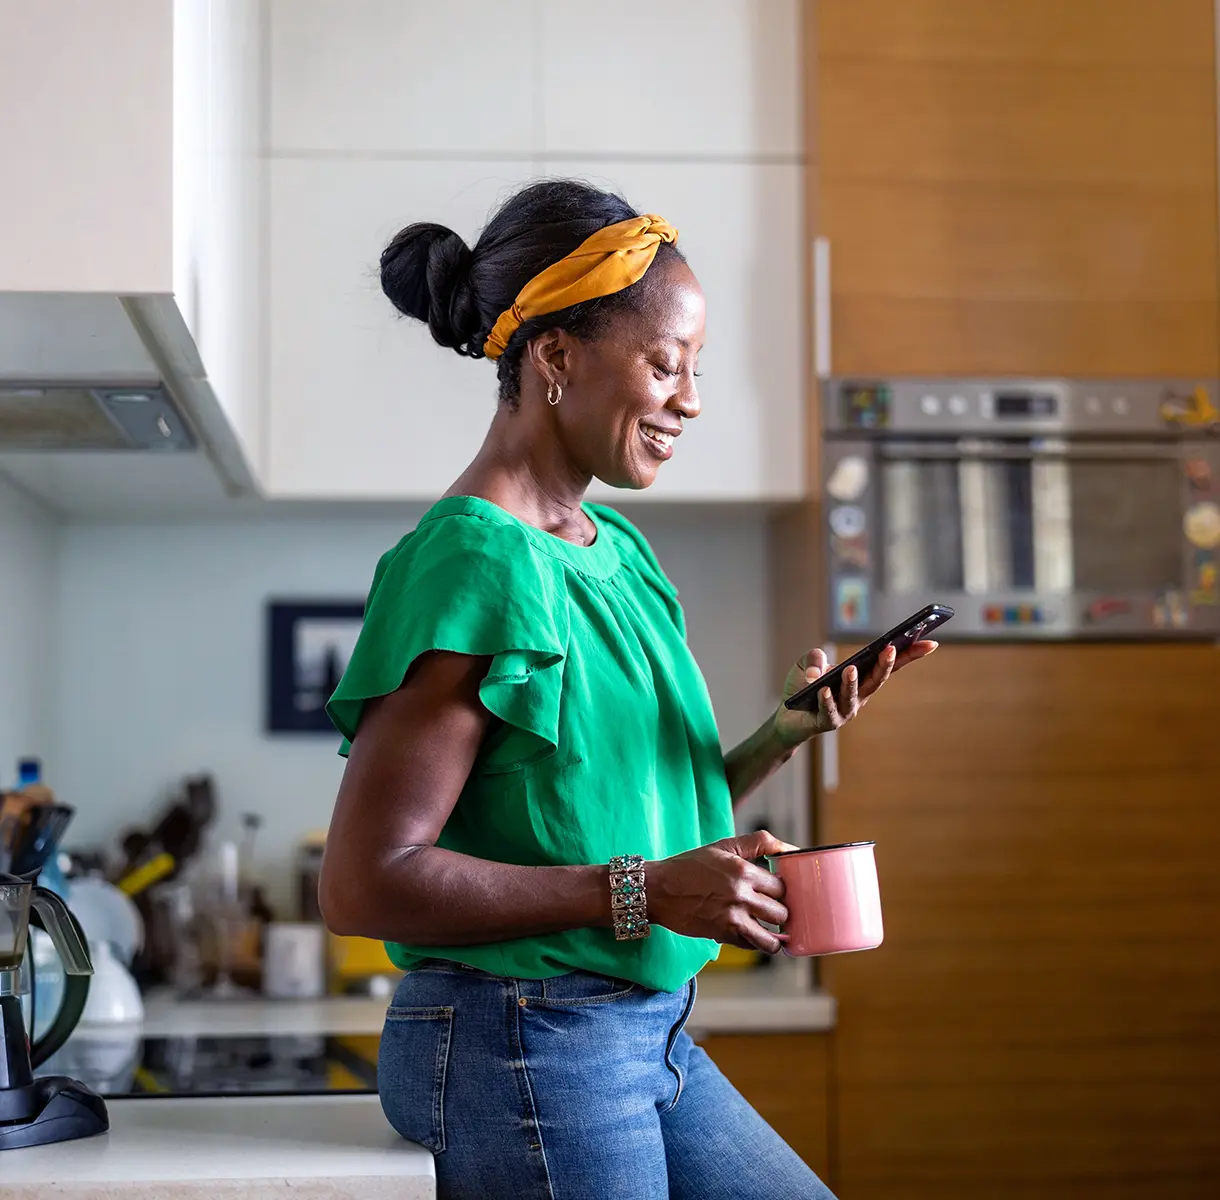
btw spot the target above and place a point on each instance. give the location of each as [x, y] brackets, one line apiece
[628, 898]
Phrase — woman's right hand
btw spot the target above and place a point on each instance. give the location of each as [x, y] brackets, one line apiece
[716, 892]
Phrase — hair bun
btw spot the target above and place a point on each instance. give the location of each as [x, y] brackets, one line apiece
[425, 273]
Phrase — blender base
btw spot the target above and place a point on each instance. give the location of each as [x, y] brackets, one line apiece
[62, 1109]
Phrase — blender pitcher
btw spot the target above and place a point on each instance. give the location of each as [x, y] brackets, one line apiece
[35, 1111]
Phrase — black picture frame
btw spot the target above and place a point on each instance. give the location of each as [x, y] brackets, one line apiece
[309, 643]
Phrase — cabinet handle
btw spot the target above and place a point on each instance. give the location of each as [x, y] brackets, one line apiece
[821, 307]
[828, 760]
[828, 743]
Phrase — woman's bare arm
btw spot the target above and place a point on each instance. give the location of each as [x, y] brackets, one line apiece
[383, 876]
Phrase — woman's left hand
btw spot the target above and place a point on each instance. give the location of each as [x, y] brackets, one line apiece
[794, 726]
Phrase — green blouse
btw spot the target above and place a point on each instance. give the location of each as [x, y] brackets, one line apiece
[606, 741]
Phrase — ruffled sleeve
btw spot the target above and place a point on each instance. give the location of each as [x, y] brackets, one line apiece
[469, 586]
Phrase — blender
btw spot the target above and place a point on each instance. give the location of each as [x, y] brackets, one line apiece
[33, 1111]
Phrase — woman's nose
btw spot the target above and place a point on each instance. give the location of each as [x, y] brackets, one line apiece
[686, 399]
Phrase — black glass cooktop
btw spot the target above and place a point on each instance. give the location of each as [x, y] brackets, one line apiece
[117, 1064]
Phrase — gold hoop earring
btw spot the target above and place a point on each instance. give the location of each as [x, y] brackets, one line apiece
[554, 393]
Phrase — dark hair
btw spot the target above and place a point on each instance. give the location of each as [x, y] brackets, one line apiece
[429, 273]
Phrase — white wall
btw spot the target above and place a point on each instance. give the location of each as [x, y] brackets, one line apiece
[28, 601]
[161, 655]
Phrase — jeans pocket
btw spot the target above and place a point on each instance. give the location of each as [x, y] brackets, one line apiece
[581, 989]
[411, 1067]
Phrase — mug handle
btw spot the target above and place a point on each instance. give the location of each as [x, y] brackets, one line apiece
[76, 984]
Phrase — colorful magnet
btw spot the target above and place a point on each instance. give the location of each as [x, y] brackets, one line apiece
[1104, 609]
[850, 554]
[865, 406]
[1193, 410]
[847, 521]
[1012, 614]
[1205, 587]
[849, 479]
[1170, 611]
[1199, 474]
[851, 603]
[1201, 524]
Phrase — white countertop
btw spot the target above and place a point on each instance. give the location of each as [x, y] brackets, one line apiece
[165, 1016]
[337, 1147]
[775, 1000]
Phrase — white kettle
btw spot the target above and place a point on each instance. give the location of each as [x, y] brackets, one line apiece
[114, 997]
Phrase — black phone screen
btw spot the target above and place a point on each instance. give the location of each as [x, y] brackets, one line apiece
[916, 627]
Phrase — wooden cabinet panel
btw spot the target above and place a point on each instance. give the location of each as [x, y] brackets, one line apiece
[785, 1077]
[877, 335]
[1028, 279]
[1044, 1017]
[1010, 188]
[1146, 125]
[1044, 31]
[1033, 243]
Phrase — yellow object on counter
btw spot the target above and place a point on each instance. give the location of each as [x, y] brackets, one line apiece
[355, 958]
[732, 958]
[145, 876]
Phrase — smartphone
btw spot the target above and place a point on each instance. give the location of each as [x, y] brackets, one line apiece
[915, 628]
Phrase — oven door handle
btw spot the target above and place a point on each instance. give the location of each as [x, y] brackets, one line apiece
[1035, 448]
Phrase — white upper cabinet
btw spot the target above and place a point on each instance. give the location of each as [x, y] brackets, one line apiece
[402, 76]
[131, 203]
[738, 226]
[716, 78]
[385, 112]
[86, 138]
[364, 404]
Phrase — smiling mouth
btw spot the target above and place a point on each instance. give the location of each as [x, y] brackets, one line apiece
[660, 441]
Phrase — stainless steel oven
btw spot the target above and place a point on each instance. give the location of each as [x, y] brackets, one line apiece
[1036, 508]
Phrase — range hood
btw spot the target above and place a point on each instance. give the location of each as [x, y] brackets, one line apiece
[130, 317]
[116, 377]
[82, 416]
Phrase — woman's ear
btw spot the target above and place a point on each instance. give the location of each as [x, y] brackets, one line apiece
[550, 354]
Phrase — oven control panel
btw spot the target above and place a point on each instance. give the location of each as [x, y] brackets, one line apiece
[1169, 408]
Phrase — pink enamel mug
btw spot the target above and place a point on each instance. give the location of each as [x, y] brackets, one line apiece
[833, 898]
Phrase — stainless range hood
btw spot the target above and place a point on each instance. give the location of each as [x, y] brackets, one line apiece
[82, 416]
[92, 383]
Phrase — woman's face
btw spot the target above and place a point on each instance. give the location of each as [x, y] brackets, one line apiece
[627, 395]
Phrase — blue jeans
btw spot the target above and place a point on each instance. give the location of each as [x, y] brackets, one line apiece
[576, 1087]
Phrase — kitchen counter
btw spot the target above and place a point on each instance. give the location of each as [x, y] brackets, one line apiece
[167, 1017]
[775, 1000]
[331, 1147]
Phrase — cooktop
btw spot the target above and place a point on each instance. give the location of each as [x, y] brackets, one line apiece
[117, 1064]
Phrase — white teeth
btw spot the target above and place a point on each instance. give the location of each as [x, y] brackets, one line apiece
[657, 435]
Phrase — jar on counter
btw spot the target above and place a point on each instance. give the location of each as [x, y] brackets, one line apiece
[309, 872]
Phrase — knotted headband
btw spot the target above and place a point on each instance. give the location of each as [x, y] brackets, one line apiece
[607, 262]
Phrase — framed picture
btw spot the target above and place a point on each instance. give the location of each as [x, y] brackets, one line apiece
[309, 643]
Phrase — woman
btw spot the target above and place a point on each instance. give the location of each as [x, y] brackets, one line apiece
[522, 716]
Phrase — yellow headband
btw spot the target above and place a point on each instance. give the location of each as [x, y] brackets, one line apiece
[612, 259]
